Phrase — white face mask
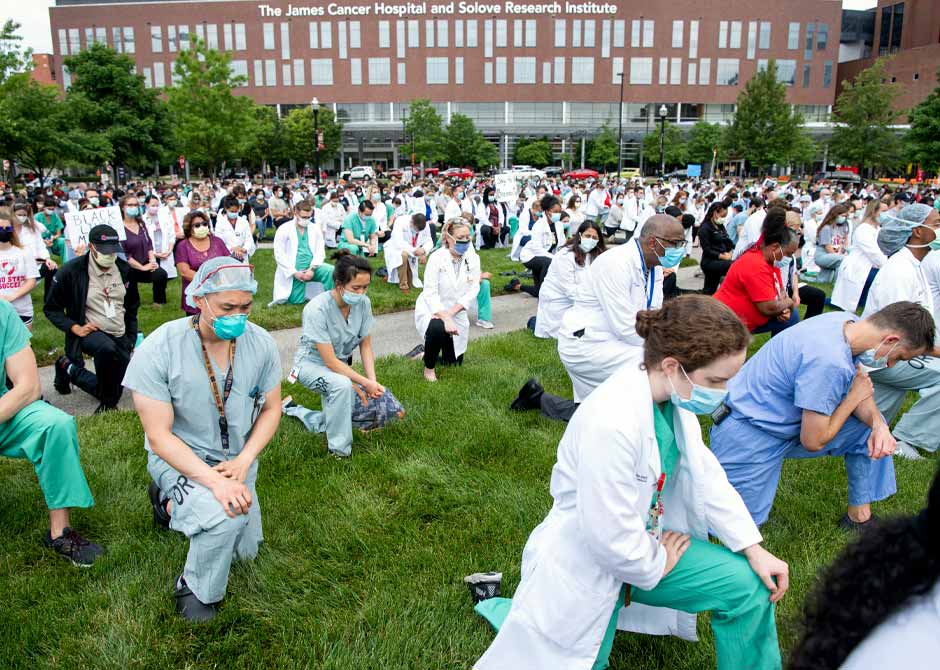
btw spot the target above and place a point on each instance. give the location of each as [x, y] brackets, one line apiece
[303, 221]
[21, 218]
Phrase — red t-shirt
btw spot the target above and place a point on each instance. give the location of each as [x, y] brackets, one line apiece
[750, 280]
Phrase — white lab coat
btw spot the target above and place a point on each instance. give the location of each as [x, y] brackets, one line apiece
[175, 216]
[541, 239]
[401, 241]
[285, 256]
[610, 294]
[163, 235]
[900, 278]
[525, 228]
[931, 268]
[444, 286]
[331, 217]
[238, 235]
[750, 232]
[453, 210]
[558, 290]
[594, 539]
[32, 242]
[853, 271]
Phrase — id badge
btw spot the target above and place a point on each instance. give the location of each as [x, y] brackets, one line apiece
[109, 310]
[292, 376]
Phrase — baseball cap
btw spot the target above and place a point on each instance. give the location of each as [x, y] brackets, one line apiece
[105, 239]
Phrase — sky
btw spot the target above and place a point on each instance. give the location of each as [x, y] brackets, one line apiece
[33, 15]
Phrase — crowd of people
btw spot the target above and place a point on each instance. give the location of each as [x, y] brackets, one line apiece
[637, 493]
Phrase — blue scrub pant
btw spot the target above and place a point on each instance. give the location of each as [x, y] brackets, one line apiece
[775, 327]
[920, 425]
[752, 459]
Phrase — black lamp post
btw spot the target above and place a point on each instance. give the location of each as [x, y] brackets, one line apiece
[662, 140]
[315, 106]
[620, 130]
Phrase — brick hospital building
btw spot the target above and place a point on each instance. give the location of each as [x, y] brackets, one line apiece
[516, 68]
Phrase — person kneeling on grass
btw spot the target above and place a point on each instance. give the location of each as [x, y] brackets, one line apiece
[208, 392]
[334, 324]
[299, 252]
[636, 494]
[44, 435]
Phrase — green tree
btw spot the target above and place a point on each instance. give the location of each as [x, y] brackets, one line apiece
[37, 130]
[268, 144]
[923, 139]
[211, 125]
[603, 151]
[765, 130]
[300, 142]
[674, 146]
[864, 113]
[465, 145]
[487, 154]
[534, 152]
[108, 97]
[13, 57]
[704, 140]
[423, 128]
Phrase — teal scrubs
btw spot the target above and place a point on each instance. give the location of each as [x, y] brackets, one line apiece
[361, 230]
[169, 367]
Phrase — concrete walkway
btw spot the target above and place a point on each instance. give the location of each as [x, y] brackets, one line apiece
[392, 334]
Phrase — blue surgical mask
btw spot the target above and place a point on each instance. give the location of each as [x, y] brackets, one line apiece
[556, 217]
[132, 211]
[703, 400]
[672, 256]
[353, 298]
[587, 244]
[868, 360]
[230, 326]
[461, 247]
[783, 263]
[935, 244]
[840, 219]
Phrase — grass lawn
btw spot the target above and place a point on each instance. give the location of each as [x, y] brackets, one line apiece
[49, 342]
[363, 560]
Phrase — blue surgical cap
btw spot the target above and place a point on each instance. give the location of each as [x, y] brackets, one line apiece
[896, 227]
[220, 274]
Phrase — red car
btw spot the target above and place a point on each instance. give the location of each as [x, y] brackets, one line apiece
[458, 173]
[582, 173]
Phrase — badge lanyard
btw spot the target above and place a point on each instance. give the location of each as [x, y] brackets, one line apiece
[220, 400]
[647, 276]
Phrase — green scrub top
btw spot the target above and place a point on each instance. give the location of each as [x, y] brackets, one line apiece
[14, 336]
[323, 323]
[361, 230]
[298, 291]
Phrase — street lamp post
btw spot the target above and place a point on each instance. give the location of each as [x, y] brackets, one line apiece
[620, 131]
[315, 106]
[662, 140]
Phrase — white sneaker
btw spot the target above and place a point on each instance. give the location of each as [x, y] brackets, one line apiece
[488, 325]
[908, 452]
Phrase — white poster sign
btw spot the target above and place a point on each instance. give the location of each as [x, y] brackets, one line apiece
[507, 190]
[79, 224]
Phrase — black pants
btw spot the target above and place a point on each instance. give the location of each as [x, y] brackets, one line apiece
[433, 228]
[156, 277]
[539, 266]
[384, 237]
[493, 235]
[670, 287]
[111, 355]
[814, 299]
[439, 346]
[47, 276]
[557, 408]
[713, 270]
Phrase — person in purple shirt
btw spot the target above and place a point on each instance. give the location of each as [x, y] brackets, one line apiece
[139, 251]
[197, 246]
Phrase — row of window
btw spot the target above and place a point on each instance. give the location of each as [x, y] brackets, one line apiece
[437, 34]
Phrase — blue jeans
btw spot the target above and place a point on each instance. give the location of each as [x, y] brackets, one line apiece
[774, 326]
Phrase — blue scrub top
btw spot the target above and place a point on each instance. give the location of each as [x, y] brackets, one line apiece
[323, 323]
[807, 366]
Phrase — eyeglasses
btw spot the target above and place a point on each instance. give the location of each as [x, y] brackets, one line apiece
[671, 244]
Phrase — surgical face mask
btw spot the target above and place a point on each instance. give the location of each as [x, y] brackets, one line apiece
[303, 221]
[93, 200]
[461, 247]
[935, 245]
[556, 217]
[132, 211]
[171, 204]
[353, 298]
[201, 232]
[49, 212]
[460, 196]
[659, 209]
[228, 327]
[242, 201]
[6, 235]
[869, 358]
[840, 219]
[104, 260]
[587, 244]
[22, 218]
[783, 263]
[152, 210]
[672, 256]
[703, 400]
[232, 215]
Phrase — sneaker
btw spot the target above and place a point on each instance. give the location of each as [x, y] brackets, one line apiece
[484, 585]
[514, 286]
[416, 353]
[189, 606]
[908, 452]
[161, 518]
[486, 325]
[381, 272]
[530, 397]
[72, 546]
[288, 402]
[62, 383]
[846, 523]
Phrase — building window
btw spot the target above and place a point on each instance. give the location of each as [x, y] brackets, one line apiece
[156, 39]
[808, 45]
[400, 38]
[355, 71]
[636, 27]
[442, 34]
[530, 34]
[751, 39]
[675, 77]
[268, 29]
[341, 37]
[380, 71]
[285, 40]
[793, 36]
[822, 36]
[101, 36]
[401, 74]
[201, 32]
[523, 70]
[472, 41]
[259, 73]
[75, 44]
[314, 35]
[663, 71]
[734, 40]
[605, 39]
[677, 28]
[560, 39]
[547, 72]
[559, 70]
[355, 35]
[458, 70]
[488, 39]
[576, 33]
[693, 39]
[458, 33]
[285, 74]
[321, 71]
[326, 35]
[723, 35]
[518, 36]
[129, 40]
[786, 70]
[619, 30]
[212, 36]
[502, 30]
[827, 74]
[298, 72]
[64, 41]
[764, 35]
[437, 71]
[641, 71]
[429, 34]
[159, 76]
[692, 79]
[648, 28]
[270, 72]
[582, 70]
[385, 40]
[227, 36]
[413, 39]
[617, 71]
[705, 72]
[501, 63]
[148, 78]
[239, 68]
[589, 36]
[806, 74]
[115, 40]
[171, 39]
[488, 72]
[728, 72]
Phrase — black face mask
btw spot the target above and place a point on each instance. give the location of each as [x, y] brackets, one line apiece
[6, 234]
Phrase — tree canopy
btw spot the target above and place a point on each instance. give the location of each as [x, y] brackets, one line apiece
[674, 146]
[300, 141]
[423, 128]
[603, 152]
[464, 145]
[534, 152]
[923, 139]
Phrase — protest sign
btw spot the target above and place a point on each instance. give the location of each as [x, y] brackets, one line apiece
[507, 190]
[79, 224]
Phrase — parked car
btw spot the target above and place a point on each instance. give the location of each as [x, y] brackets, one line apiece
[842, 176]
[553, 171]
[525, 172]
[631, 173]
[458, 173]
[582, 173]
[676, 174]
[361, 172]
[48, 181]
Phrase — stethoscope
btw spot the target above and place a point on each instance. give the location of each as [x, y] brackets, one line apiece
[648, 274]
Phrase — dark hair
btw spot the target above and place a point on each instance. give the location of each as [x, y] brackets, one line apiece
[366, 205]
[913, 320]
[575, 240]
[123, 202]
[674, 212]
[548, 201]
[774, 229]
[188, 222]
[715, 207]
[834, 212]
[874, 577]
[152, 196]
[230, 201]
[676, 330]
[419, 220]
[757, 202]
[346, 267]
[687, 221]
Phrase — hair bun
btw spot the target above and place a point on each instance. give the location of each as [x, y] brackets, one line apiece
[645, 322]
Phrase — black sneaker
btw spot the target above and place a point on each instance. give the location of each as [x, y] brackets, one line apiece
[74, 547]
[381, 272]
[416, 353]
[157, 500]
[530, 396]
[189, 606]
[62, 383]
[847, 524]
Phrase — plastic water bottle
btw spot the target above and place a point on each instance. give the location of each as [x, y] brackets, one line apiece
[140, 339]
